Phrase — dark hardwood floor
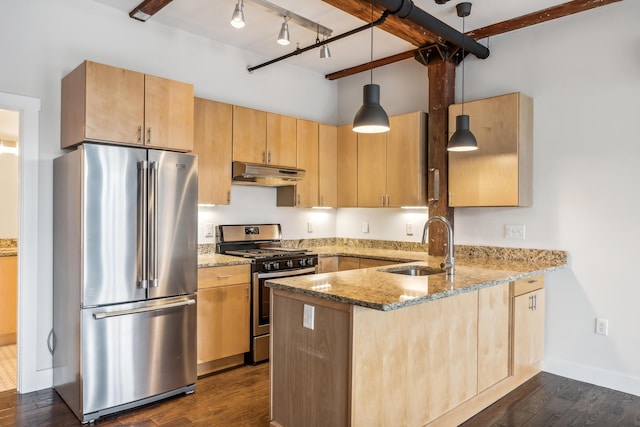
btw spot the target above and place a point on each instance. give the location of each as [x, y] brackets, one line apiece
[240, 397]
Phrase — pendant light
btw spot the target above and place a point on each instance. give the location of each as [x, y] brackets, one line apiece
[371, 117]
[283, 36]
[462, 139]
[237, 19]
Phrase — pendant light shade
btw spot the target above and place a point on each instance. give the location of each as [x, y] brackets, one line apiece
[283, 36]
[324, 51]
[371, 117]
[237, 19]
[462, 139]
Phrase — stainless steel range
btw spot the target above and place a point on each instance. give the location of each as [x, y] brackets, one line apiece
[262, 243]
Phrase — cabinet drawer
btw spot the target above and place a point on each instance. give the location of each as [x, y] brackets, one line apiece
[222, 276]
[528, 284]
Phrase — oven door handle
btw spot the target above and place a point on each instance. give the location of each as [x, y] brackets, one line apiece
[287, 273]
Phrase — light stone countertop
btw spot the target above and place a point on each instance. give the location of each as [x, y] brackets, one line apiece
[384, 291]
[8, 252]
[218, 260]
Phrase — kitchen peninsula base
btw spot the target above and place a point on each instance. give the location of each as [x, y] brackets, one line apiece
[425, 364]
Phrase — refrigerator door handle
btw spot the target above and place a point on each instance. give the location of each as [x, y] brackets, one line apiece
[142, 252]
[153, 232]
[105, 315]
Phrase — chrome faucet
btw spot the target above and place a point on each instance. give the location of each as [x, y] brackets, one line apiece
[448, 263]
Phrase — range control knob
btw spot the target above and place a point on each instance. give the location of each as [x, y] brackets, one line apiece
[289, 263]
[309, 261]
[276, 265]
[267, 266]
[301, 262]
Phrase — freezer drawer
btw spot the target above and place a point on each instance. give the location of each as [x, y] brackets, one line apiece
[134, 351]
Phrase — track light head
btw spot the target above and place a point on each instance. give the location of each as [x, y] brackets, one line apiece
[237, 19]
[283, 36]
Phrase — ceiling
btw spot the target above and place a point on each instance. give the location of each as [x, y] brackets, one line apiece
[210, 19]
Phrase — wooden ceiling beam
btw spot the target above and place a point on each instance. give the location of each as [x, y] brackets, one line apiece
[554, 12]
[147, 9]
[401, 28]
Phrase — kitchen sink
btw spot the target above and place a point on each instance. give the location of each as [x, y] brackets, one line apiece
[413, 270]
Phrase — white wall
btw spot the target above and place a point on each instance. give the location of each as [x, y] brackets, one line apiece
[583, 72]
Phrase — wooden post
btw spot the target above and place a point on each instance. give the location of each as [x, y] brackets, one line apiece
[442, 76]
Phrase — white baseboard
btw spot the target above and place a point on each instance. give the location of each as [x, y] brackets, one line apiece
[589, 374]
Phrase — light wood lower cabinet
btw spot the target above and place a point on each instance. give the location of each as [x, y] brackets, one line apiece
[493, 335]
[223, 317]
[8, 299]
[436, 363]
[328, 264]
[528, 326]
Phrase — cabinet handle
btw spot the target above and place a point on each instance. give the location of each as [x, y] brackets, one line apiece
[436, 185]
[298, 202]
[535, 302]
[225, 276]
[531, 302]
[383, 200]
[264, 157]
[321, 200]
[532, 281]
[149, 136]
[228, 196]
[269, 158]
[140, 134]
[387, 200]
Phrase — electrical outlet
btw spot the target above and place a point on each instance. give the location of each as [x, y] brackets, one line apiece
[308, 316]
[365, 227]
[514, 231]
[602, 326]
[309, 227]
[208, 230]
[409, 229]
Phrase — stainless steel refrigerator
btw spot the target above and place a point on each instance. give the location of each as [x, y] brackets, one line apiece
[125, 269]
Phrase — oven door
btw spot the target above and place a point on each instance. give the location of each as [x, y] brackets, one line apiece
[261, 297]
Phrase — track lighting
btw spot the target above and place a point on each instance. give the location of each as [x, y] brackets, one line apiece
[283, 36]
[462, 139]
[237, 19]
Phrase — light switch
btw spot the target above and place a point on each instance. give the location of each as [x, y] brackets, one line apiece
[365, 227]
[208, 230]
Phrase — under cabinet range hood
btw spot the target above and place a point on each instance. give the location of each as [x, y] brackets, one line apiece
[265, 175]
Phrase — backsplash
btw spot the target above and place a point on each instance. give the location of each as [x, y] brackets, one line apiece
[8, 243]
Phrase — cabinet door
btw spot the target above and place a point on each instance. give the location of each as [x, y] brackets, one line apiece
[327, 264]
[281, 140]
[327, 165]
[493, 335]
[372, 169]
[249, 135]
[223, 322]
[102, 103]
[347, 167]
[406, 160]
[348, 263]
[168, 114]
[8, 299]
[213, 144]
[307, 189]
[499, 173]
[528, 333]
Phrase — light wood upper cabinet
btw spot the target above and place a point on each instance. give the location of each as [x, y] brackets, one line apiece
[372, 170]
[108, 104]
[392, 166]
[307, 188]
[263, 138]
[213, 129]
[249, 135]
[281, 140]
[347, 167]
[327, 165]
[499, 173]
[406, 160]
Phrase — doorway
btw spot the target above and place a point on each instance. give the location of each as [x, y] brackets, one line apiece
[9, 151]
